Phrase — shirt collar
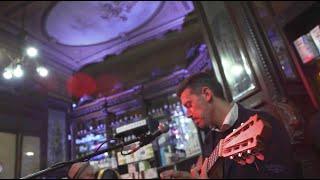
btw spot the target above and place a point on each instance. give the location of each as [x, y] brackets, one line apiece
[229, 120]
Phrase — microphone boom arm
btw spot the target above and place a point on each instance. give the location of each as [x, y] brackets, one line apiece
[143, 141]
[82, 159]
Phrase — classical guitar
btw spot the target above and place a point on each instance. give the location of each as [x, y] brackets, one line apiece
[243, 141]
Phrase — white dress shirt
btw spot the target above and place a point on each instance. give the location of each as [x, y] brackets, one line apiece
[229, 120]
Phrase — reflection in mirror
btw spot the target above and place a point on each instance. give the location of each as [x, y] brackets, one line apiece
[235, 65]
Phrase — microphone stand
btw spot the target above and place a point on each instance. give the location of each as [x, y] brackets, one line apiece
[87, 157]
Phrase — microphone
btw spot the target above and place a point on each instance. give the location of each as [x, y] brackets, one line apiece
[162, 128]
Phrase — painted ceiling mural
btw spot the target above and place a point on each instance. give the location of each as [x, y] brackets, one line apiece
[106, 21]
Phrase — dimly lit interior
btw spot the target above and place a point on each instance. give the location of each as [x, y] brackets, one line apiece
[88, 81]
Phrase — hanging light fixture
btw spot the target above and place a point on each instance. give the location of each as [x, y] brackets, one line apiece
[17, 63]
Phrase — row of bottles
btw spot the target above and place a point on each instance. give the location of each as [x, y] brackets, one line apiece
[180, 140]
[93, 125]
[125, 120]
[164, 109]
[90, 146]
[90, 137]
[129, 138]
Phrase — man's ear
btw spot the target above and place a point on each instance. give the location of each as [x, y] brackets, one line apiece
[207, 93]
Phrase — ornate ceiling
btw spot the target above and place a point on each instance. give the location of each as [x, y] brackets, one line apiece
[106, 22]
[75, 33]
[130, 40]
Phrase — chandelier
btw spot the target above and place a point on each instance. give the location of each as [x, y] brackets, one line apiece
[17, 64]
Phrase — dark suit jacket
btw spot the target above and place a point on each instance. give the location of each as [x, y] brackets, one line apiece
[278, 161]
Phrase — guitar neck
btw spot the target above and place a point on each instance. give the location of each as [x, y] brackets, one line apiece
[213, 158]
[244, 139]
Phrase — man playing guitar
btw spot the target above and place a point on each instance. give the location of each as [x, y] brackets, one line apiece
[202, 96]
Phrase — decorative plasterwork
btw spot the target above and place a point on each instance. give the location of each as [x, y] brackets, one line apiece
[157, 86]
[124, 96]
[202, 62]
[106, 21]
[94, 106]
[161, 18]
[156, 19]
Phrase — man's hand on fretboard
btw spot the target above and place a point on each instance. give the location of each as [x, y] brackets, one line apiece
[200, 169]
[249, 159]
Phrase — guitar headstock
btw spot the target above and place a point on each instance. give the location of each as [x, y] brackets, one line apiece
[246, 138]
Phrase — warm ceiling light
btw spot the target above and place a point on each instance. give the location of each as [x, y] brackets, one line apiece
[30, 153]
[42, 71]
[32, 52]
[18, 72]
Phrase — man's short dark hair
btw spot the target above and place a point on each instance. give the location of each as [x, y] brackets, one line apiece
[197, 81]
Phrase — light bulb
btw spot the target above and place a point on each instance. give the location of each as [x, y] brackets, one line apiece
[7, 74]
[42, 71]
[32, 52]
[18, 72]
[30, 153]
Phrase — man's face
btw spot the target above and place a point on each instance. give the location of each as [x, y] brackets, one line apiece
[197, 107]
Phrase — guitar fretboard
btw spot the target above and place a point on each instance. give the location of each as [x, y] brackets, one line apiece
[213, 157]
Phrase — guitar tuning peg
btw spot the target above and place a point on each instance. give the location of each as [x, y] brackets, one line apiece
[249, 151]
[233, 130]
[240, 154]
[231, 157]
[241, 124]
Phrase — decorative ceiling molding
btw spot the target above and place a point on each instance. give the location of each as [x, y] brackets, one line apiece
[107, 20]
[170, 18]
[166, 16]
[65, 60]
